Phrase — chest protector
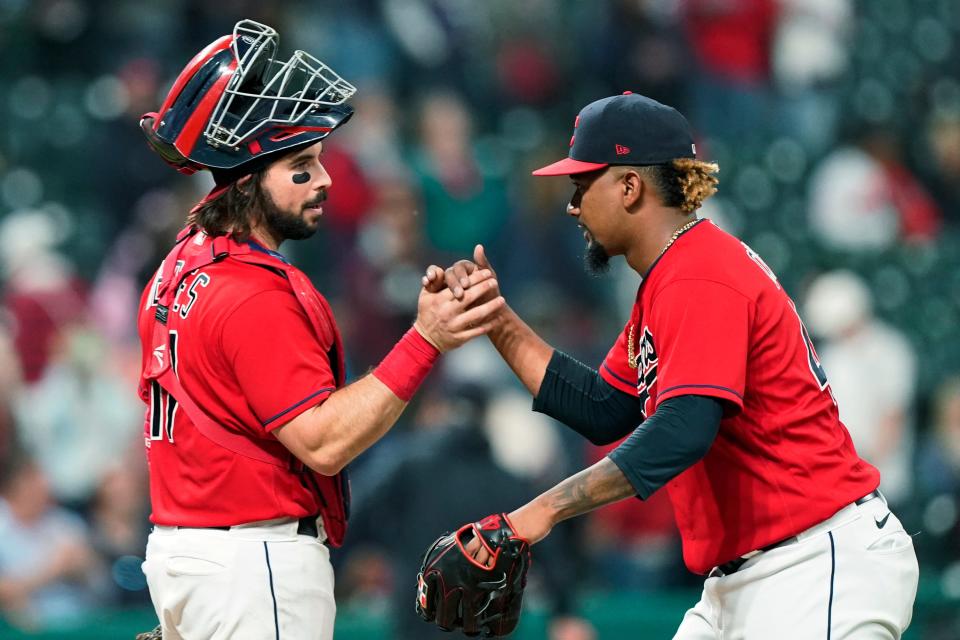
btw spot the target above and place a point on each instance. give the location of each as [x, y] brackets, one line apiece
[194, 251]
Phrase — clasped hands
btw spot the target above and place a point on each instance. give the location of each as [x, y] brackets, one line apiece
[459, 303]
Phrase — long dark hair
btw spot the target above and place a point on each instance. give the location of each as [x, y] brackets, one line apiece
[235, 211]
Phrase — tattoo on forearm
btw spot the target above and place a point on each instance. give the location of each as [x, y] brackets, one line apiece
[593, 487]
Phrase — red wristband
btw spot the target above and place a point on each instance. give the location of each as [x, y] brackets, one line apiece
[407, 364]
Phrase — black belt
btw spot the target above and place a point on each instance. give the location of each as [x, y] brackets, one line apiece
[306, 526]
[734, 565]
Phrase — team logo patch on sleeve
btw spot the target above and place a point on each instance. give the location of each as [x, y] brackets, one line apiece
[645, 361]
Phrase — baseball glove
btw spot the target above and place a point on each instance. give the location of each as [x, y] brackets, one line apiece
[455, 591]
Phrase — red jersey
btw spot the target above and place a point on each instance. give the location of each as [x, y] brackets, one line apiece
[711, 319]
[245, 351]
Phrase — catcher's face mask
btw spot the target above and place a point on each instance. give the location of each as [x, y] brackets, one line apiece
[236, 103]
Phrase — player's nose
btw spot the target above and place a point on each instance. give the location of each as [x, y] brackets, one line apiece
[573, 207]
[322, 180]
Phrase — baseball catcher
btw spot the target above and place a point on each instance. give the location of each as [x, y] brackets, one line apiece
[457, 591]
[249, 422]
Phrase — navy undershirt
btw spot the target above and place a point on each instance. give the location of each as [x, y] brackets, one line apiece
[659, 448]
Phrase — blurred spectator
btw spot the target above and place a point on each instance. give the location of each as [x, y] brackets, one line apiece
[863, 197]
[872, 371]
[527, 72]
[810, 56]
[119, 528]
[10, 389]
[944, 143]
[46, 563]
[938, 492]
[41, 292]
[938, 463]
[731, 42]
[354, 195]
[464, 195]
[374, 135]
[129, 170]
[383, 274]
[79, 418]
[635, 544]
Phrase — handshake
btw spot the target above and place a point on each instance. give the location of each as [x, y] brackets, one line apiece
[460, 303]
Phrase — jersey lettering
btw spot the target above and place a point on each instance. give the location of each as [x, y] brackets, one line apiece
[154, 288]
[163, 406]
[176, 298]
[202, 280]
[154, 295]
[156, 410]
[753, 255]
[816, 368]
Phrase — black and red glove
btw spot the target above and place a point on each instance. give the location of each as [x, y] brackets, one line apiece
[457, 592]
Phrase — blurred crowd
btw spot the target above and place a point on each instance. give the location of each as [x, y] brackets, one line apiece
[836, 125]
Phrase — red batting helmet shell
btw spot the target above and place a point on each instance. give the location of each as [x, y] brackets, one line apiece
[235, 105]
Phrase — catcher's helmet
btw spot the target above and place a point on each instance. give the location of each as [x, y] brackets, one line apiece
[234, 106]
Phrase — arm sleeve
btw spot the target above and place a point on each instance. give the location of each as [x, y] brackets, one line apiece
[280, 365]
[576, 395]
[674, 438]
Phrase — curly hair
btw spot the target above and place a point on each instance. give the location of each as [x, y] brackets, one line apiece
[683, 183]
[234, 211]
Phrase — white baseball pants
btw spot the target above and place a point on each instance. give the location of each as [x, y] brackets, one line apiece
[258, 582]
[853, 576]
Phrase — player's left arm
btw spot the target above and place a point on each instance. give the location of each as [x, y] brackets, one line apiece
[674, 438]
[578, 396]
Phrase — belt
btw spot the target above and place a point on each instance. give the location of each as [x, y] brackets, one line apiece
[734, 565]
[306, 526]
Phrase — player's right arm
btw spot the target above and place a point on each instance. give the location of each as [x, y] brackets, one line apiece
[527, 353]
[562, 387]
[331, 434]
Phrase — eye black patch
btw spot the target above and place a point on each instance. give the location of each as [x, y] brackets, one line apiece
[301, 178]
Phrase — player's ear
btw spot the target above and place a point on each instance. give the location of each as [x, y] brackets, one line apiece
[243, 184]
[632, 188]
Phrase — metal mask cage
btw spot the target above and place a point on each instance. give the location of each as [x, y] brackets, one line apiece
[264, 91]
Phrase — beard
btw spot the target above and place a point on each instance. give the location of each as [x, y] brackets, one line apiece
[284, 224]
[596, 260]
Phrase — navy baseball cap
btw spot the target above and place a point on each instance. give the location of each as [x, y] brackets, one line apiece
[629, 129]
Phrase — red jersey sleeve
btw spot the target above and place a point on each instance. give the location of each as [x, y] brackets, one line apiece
[616, 369]
[276, 357]
[701, 333]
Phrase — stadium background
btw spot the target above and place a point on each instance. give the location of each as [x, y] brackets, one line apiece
[836, 125]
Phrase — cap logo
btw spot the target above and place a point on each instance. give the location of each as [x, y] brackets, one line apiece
[622, 150]
[576, 123]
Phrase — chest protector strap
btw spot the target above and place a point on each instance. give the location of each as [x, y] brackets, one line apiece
[194, 251]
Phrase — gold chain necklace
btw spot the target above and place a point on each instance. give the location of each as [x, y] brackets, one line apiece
[677, 234]
[632, 356]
